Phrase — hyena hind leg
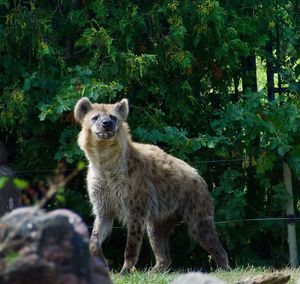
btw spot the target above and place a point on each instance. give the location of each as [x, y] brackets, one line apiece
[203, 231]
[158, 234]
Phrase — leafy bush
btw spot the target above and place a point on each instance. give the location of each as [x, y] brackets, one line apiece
[184, 65]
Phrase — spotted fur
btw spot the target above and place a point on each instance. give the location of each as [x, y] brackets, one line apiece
[143, 186]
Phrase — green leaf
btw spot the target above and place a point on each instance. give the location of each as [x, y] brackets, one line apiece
[196, 145]
[12, 257]
[81, 165]
[20, 183]
[3, 2]
[27, 84]
[60, 198]
[294, 163]
[265, 162]
[3, 181]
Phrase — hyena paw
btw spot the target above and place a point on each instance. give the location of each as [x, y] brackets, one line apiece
[125, 270]
[96, 251]
[161, 267]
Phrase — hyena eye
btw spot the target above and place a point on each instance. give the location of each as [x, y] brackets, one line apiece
[95, 118]
[112, 117]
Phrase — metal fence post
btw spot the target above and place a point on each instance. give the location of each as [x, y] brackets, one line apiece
[292, 241]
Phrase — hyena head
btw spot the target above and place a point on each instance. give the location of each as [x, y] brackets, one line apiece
[103, 120]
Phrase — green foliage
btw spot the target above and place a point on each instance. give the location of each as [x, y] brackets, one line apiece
[179, 63]
[80, 166]
[3, 181]
[20, 183]
[59, 196]
[176, 139]
[294, 160]
[272, 126]
[11, 258]
[76, 201]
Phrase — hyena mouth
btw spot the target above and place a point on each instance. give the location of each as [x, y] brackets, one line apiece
[105, 135]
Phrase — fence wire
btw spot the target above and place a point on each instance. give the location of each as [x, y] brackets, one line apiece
[290, 220]
[225, 161]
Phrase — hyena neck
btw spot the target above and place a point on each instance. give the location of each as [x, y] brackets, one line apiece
[107, 155]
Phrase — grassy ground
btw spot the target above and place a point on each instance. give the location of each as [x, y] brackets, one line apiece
[233, 276]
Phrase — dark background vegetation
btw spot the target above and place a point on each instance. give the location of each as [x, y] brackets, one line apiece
[207, 80]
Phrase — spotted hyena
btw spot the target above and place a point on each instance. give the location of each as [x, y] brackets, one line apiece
[143, 186]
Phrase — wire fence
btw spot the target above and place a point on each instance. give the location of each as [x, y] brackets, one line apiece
[24, 172]
[289, 219]
[224, 161]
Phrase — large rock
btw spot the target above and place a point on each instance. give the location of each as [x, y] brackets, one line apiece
[197, 278]
[49, 248]
[201, 278]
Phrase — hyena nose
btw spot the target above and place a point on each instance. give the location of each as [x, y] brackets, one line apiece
[107, 123]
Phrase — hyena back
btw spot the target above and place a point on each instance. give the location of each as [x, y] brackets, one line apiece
[141, 185]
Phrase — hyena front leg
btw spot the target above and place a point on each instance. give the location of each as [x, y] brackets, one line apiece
[133, 244]
[101, 229]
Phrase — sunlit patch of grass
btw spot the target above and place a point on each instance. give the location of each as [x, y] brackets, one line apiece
[147, 277]
[233, 276]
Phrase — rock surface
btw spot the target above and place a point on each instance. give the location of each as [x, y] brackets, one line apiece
[197, 278]
[269, 278]
[201, 278]
[49, 248]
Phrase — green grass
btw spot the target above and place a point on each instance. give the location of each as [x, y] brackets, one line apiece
[144, 277]
[232, 276]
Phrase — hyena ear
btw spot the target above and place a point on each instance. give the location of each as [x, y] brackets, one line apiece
[82, 107]
[122, 109]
